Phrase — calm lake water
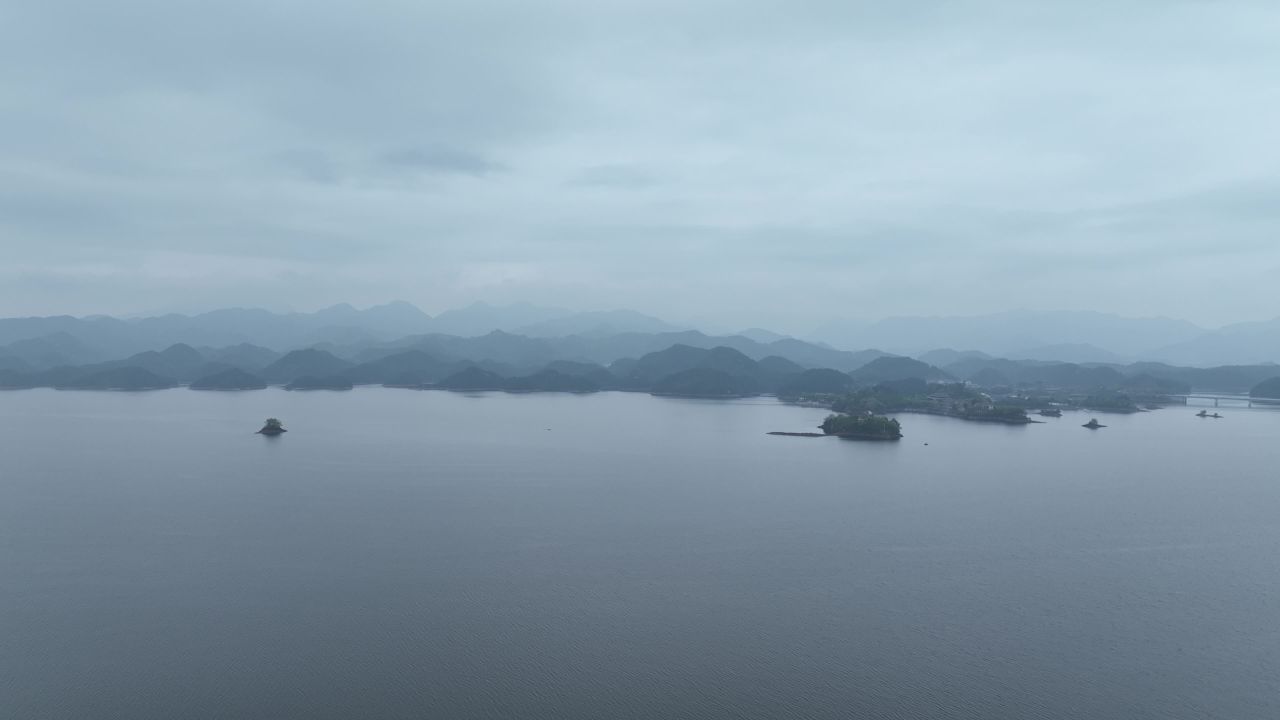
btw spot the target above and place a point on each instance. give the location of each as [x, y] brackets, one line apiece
[405, 554]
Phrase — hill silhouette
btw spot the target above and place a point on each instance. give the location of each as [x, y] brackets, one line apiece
[119, 378]
[1268, 389]
[888, 368]
[551, 381]
[229, 379]
[313, 382]
[473, 378]
[817, 381]
[706, 382]
[304, 363]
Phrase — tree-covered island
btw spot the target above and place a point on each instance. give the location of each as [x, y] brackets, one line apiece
[862, 427]
[272, 427]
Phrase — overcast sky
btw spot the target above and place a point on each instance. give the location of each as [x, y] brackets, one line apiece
[735, 163]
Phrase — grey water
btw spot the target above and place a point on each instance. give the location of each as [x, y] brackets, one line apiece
[404, 554]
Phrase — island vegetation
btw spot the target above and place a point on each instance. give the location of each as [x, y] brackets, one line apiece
[272, 426]
[862, 427]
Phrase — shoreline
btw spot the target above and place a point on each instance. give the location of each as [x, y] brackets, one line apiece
[989, 421]
[842, 436]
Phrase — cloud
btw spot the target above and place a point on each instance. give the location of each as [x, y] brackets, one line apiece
[748, 159]
[308, 164]
[439, 160]
[614, 176]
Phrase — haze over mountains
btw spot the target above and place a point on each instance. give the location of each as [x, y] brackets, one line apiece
[1076, 337]
[528, 348]
[66, 339]
[1063, 336]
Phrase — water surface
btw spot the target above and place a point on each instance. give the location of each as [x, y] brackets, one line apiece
[405, 554]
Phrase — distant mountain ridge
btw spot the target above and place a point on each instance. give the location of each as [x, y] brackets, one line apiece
[704, 366]
[598, 324]
[1063, 336]
[52, 341]
[529, 334]
[1241, 343]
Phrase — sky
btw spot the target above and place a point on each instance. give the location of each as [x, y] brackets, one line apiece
[750, 163]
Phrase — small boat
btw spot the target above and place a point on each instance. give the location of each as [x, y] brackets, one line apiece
[1203, 413]
[1093, 424]
[1051, 412]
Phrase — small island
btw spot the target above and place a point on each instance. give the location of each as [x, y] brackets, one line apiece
[272, 427]
[1093, 424]
[862, 427]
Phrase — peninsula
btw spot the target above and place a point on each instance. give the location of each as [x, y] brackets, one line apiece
[915, 395]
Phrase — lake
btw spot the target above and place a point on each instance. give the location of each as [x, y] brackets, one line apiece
[403, 554]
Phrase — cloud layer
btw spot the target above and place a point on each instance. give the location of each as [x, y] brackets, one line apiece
[727, 162]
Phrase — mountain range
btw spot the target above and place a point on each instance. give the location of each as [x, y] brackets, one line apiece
[59, 340]
[504, 361]
[525, 334]
[1064, 337]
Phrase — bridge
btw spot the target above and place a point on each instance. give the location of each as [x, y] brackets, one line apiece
[1234, 400]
